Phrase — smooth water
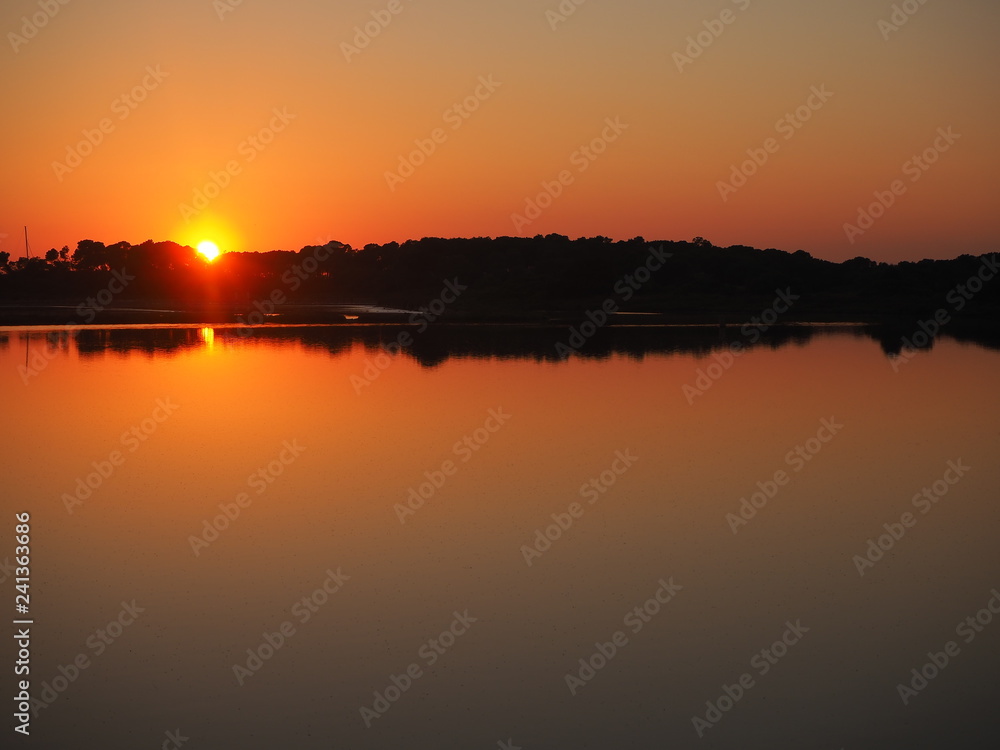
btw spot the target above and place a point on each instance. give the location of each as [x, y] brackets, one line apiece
[311, 439]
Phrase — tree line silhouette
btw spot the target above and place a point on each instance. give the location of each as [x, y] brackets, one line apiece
[507, 277]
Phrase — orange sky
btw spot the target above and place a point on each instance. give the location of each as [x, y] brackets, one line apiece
[220, 72]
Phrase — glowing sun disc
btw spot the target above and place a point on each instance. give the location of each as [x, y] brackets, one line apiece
[209, 249]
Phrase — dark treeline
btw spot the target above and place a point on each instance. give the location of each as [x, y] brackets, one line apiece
[540, 277]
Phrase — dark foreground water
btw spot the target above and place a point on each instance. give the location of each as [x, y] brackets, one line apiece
[292, 539]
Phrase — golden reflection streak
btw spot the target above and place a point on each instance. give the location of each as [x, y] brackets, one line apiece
[208, 336]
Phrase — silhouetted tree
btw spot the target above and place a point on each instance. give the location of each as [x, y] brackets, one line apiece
[90, 255]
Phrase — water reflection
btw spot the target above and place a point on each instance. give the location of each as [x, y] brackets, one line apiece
[208, 336]
[198, 413]
[438, 344]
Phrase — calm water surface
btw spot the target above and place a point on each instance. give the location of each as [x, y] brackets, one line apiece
[765, 635]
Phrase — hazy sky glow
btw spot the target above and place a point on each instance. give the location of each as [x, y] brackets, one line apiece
[211, 76]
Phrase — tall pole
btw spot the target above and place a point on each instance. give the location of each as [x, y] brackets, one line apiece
[27, 336]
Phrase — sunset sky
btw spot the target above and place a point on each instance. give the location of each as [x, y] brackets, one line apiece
[341, 112]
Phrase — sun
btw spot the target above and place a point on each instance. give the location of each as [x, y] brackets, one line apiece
[209, 249]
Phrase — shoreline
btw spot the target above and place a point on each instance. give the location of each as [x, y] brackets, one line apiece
[62, 316]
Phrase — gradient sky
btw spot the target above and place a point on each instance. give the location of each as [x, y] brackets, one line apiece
[323, 176]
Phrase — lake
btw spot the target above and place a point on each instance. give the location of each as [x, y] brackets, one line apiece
[310, 537]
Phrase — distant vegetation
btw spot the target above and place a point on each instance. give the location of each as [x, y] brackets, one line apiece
[506, 277]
